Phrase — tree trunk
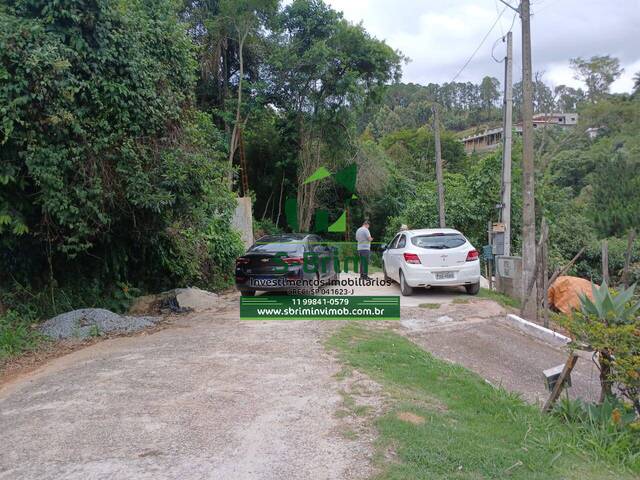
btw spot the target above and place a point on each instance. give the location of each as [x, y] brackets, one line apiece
[605, 263]
[605, 374]
[233, 142]
[266, 207]
[627, 258]
[280, 199]
[439, 175]
[310, 159]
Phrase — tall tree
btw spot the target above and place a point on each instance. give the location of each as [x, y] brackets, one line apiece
[105, 166]
[489, 93]
[598, 73]
[244, 19]
[543, 98]
[322, 72]
[568, 98]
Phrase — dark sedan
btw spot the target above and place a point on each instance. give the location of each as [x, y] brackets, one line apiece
[277, 263]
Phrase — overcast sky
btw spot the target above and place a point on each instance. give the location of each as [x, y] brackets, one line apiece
[440, 35]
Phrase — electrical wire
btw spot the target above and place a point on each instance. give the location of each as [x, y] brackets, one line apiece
[502, 38]
[498, 12]
[493, 49]
[479, 46]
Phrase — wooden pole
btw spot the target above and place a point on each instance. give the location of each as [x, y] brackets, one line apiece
[545, 284]
[566, 268]
[532, 312]
[605, 262]
[439, 175]
[627, 258]
[505, 212]
[557, 389]
[489, 262]
[528, 167]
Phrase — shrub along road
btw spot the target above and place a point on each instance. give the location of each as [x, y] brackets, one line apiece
[214, 397]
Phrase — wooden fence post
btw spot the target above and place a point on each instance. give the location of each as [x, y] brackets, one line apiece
[557, 389]
[627, 258]
[605, 262]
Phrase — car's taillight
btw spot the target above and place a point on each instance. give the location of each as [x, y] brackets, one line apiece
[411, 258]
[472, 255]
[293, 260]
[242, 261]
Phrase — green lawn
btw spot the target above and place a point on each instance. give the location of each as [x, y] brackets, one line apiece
[456, 426]
[500, 298]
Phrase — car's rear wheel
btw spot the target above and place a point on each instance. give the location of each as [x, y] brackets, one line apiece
[248, 293]
[405, 289]
[473, 289]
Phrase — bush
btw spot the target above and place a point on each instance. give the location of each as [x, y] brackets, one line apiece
[610, 325]
[107, 172]
[609, 429]
[265, 227]
[590, 264]
[16, 334]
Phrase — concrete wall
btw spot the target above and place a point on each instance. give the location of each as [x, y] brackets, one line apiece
[243, 220]
[509, 276]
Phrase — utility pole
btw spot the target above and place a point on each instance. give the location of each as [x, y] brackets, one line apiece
[439, 178]
[507, 129]
[528, 167]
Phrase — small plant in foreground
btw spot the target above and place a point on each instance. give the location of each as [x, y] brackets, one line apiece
[610, 428]
[609, 325]
[16, 335]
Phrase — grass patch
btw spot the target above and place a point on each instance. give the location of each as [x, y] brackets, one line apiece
[16, 335]
[504, 300]
[460, 301]
[470, 429]
[351, 408]
[430, 306]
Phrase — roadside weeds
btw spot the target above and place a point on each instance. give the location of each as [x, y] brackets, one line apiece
[442, 421]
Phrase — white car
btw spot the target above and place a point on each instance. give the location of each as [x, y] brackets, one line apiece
[430, 258]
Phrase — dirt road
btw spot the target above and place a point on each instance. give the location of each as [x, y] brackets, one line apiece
[212, 397]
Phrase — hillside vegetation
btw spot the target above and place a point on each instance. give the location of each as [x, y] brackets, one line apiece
[122, 126]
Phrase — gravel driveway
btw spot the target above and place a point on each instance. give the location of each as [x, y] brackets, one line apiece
[211, 398]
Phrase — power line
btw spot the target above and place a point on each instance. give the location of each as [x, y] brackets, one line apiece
[498, 12]
[513, 20]
[479, 46]
[493, 49]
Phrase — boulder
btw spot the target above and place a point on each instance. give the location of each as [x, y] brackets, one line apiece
[179, 300]
[195, 299]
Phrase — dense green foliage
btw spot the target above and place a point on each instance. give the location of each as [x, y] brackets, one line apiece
[122, 126]
[610, 325]
[108, 172]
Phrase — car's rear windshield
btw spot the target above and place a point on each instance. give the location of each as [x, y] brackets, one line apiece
[439, 241]
[265, 245]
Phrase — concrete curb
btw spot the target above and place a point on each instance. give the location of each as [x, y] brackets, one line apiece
[537, 331]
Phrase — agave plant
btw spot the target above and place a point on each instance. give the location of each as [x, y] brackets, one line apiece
[616, 309]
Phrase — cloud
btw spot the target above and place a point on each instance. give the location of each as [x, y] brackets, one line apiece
[440, 35]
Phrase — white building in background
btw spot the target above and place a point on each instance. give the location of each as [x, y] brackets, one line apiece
[561, 119]
[490, 139]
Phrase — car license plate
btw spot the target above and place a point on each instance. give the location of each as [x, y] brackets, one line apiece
[266, 282]
[444, 275]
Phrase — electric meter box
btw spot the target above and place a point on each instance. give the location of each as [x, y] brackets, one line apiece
[497, 238]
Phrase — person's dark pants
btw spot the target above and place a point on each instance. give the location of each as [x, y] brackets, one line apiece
[364, 262]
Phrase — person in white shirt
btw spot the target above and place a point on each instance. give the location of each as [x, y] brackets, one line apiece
[363, 237]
